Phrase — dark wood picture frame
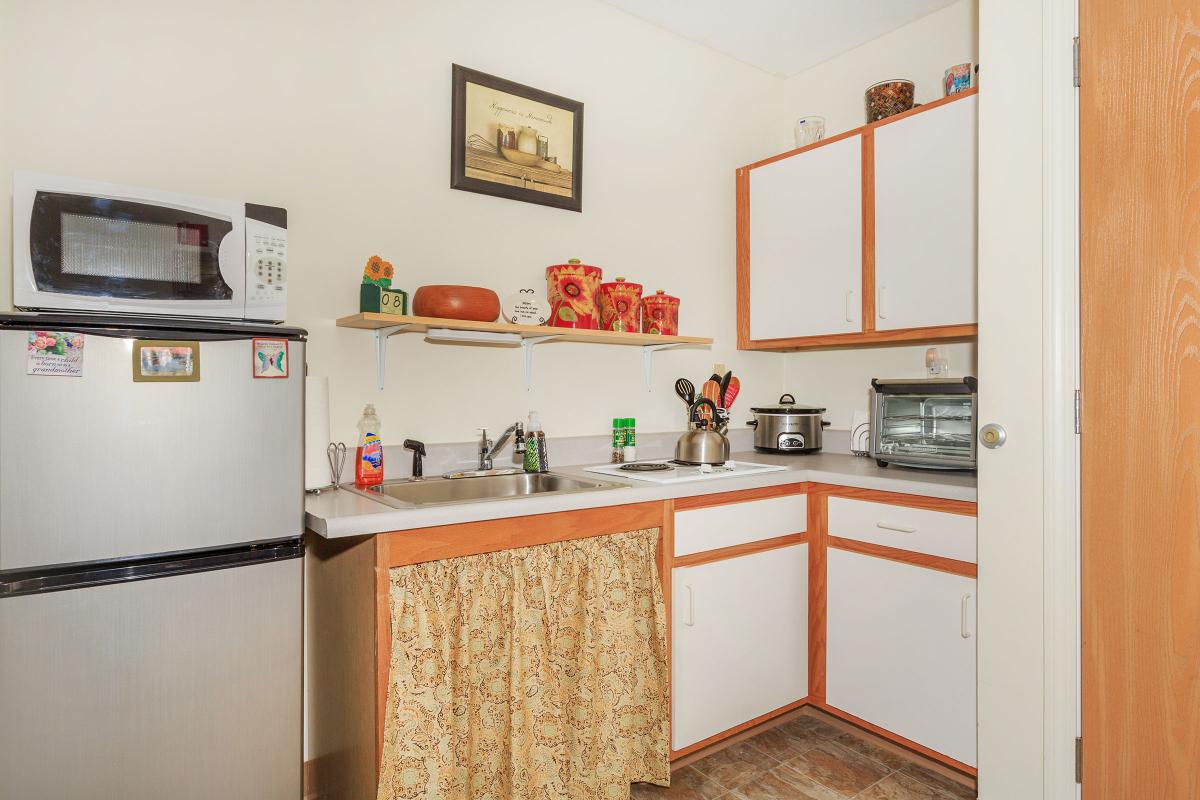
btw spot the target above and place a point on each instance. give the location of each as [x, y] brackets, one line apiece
[458, 141]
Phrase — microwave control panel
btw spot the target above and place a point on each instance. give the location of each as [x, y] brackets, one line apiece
[266, 273]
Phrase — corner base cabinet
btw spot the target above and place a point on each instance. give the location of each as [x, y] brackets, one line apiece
[901, 650]
[739, 641]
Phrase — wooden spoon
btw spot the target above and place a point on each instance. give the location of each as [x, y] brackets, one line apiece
[711, 390]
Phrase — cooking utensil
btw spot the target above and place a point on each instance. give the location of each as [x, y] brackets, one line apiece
[711, 391]
[456, 302]
[787, 427]
[731, 392]
[725, 379]
[702, 444]
[337, 461]
[686, 391]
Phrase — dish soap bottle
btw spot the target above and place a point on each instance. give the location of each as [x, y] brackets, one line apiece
[368, 463]
[535, 445]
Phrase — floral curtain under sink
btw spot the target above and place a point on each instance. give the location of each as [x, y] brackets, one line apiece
[535, 673]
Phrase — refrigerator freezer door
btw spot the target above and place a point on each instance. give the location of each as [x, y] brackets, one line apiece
[186, 687]
[100, 466]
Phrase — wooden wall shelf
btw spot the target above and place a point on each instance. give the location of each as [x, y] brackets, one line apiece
[501, 333]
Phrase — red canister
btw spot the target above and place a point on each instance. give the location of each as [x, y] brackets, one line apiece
[620, 303]
[572, 290]
[660, 314]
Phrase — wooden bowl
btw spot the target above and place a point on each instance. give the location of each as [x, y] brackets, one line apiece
[457, 302]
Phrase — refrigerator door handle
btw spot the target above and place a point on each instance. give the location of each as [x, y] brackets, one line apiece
[38, 580]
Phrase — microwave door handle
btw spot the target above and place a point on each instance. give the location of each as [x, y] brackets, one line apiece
[231, 261]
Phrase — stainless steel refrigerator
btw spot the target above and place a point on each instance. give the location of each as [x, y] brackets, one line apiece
[151, 570]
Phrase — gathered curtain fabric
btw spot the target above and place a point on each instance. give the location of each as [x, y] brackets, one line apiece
[536, 673]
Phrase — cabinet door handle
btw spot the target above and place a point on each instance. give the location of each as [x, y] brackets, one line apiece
[891, 526]
[689, 611]
[882, 306]
[965, 628]
[849, 305]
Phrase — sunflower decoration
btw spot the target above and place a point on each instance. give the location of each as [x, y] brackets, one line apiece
[378, 272]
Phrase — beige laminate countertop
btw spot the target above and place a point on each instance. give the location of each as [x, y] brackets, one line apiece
[337, 514]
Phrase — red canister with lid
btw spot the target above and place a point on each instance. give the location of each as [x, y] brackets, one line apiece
[572, 290]
[620, 304]
[660, 314]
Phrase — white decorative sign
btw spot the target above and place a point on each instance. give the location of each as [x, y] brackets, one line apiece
[526, 307]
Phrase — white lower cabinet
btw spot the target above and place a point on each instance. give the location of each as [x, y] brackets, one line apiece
[901, 650]
[739, 640]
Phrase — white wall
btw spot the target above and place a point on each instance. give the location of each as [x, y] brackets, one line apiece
[340, 112]
[920, 51]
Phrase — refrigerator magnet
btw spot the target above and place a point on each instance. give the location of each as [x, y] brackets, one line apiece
[166, 361]
[54, 353]
[270, 358]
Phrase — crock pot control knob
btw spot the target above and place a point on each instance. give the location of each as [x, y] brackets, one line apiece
[992, 436]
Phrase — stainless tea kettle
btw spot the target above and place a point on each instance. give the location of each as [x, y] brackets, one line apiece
[702, 444]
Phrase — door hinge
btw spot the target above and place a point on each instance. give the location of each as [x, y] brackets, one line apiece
[1079, 759]
[1075, 61]
[1078, 412]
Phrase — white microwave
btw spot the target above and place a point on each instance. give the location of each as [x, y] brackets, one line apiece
[81, 245]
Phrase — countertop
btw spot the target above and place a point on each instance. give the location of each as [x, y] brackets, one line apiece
[336, 514]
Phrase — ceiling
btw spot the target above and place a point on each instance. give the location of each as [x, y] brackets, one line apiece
[783, 37]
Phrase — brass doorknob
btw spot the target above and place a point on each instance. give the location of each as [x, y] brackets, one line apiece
[992, 435]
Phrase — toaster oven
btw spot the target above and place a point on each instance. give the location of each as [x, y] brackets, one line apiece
[924, 422]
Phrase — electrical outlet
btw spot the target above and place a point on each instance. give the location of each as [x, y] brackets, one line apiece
[718, 369]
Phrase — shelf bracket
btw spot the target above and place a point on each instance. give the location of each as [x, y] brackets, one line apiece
[647, 362]
[527, 352]
[381, 338]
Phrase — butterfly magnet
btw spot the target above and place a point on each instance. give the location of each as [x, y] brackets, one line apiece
[270, 358]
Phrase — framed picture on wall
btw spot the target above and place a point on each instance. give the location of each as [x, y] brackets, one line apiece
[515, 141]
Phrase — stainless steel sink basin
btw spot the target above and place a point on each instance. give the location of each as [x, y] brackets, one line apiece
[441, 491]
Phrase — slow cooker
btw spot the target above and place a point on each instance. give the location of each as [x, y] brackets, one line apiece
[787, 427]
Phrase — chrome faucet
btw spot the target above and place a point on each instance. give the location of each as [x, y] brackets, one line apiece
[488, 449]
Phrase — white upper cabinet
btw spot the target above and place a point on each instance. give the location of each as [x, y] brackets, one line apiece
[806, 243]
[925, 210]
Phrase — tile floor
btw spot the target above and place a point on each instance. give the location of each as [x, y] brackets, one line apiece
[807, 758]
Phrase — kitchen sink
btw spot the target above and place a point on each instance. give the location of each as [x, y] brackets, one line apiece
[441, 491]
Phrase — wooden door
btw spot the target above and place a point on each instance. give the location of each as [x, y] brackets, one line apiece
[925, 212]
[739, 641]
[806, 243]
[1140, 340]
[900, 651]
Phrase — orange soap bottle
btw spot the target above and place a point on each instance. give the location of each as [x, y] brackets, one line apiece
[368, 463]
